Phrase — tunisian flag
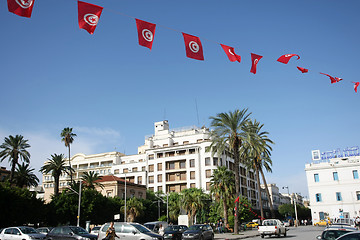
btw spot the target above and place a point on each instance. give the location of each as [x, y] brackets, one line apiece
[193, 47]
[255, 59]
[230, 52]
[303, 70]
[356, 84]
[22, 8]
[146, 33]
[88, 15]
[285, 58]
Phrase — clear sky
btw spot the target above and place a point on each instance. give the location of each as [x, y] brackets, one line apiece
[110, 90]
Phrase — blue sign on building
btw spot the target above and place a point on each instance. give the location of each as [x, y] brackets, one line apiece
[347, 152]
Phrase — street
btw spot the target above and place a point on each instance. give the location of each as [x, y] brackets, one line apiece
[298, 233]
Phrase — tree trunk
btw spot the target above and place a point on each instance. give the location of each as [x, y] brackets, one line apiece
[237, 185]
[13, 165]
[56, 185]
[259, 190]
[267, 193]
[225, 212]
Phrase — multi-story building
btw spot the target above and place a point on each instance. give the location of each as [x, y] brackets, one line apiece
[169, 161]
[334, 184]
[4, 174]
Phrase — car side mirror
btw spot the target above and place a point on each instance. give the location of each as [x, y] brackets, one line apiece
[134, 232]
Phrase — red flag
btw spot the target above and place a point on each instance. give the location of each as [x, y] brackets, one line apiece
[237, 199]
[230, 52]
[356, 86]
[285, 58]
[146, 33]
[22, 8]
[303, 70]
[333, 79]
[255, 59]
[193, 47]
[88, 15]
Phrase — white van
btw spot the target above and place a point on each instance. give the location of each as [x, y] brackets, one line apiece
[129, 231]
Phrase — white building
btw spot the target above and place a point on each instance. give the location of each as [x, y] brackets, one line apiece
[169, 161]
[334, 184]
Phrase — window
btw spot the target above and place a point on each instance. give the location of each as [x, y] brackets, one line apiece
[182, 164]
[134, 169]
[208, 173]
[151, 156]
[171, 165]
[358, 195]
[143, 168]
[335, 176]
[151, 168]
[151, 179]
[192, 162]
[192, 175]
[355, 174]
[207, 161]
[316, 177]
[116, 171]
[192, 185]
[318, 197]
[139, 180]
[125, 170]
[183, 176]
[215, 161]
[208, 186]
[159, 167]
[160, 189]
[338, 196]
[159, 178]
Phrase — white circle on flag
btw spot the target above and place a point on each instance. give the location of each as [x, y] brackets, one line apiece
[91, 19]
[147, 35]
[231, 52]
[24, 3]
[256, 61]
[288, 55]
[194, 47]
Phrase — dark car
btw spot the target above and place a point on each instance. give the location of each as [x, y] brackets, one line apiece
[350, 236]
[332, 232]
[44, 230]
[69, 232]
[199, 231]
[174, 231]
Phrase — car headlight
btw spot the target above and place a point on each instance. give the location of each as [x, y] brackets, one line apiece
[84, 238]
[154, 238]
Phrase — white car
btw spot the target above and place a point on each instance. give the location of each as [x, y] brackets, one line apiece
[20, 233]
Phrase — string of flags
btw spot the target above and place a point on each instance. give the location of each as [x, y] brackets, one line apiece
[249, 208]
[89, 16]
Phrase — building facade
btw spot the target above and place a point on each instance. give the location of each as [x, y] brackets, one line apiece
[334, 185]
[169, 161]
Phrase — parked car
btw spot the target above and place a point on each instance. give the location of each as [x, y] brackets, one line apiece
[20, 233]
[199, 231]
[44, 230]
[272, 227]
[95, 230]
[69, 232]
[346, 221]
[350, 236]
[154, 226]
[252, 225]
[286, 223]
[323, 222]
[174, 231]
[130, 231]
[334, 231]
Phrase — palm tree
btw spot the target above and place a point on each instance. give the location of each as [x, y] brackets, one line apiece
[57, 166]
[229, 134]
[259, 151]
[14, 148]
[90, 180]
[174, 206]
[68, 138]
[222, 186]
[134, 208]
[192, 199]
[24, 176]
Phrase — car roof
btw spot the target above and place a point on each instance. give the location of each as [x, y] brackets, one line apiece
[340, 227]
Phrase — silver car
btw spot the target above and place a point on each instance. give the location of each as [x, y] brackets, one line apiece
[130, 231]
[20, 233]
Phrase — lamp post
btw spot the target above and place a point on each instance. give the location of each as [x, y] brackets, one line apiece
[296, 221]
[78, 193]
[125, 210]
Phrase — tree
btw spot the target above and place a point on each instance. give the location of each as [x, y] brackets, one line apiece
[24, 176]
[228, 135]
[192, 200]
[174, 206]
[90, 180]
[57, 166]
[134, 208]
[222, 186]
[258, 152]
[14, 148]
[68, 138]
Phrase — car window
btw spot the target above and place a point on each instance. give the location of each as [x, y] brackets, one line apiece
[128, 229]
[15, 231]
[116, 226]
[141, 228]
[79, 230]
[27, 230]
[65, 230]
[56, 230]
[351, 237]
[8, 231]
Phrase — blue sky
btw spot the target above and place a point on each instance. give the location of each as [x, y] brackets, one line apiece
[111, 90]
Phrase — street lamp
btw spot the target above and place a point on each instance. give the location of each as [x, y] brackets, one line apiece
[296, 223]
[78, 193]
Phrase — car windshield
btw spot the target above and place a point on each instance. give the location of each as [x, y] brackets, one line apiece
[196, 227]
[96, 228]
[141, 228]
[150, 226]
[172, 228]
[27, 230]
[333, 234]
[78, 230]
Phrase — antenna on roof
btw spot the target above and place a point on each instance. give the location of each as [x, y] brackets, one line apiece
[197, 113]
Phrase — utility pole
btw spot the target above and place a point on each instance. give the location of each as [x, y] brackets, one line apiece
[78, 216]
